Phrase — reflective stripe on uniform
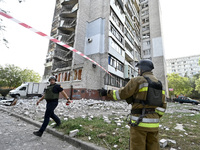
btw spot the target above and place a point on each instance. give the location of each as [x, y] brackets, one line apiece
[147, 125]
[117, 95]
[160, 111]
[163, 92]
[146, 120]
[144, 89]
[114, 95]
[143, 85]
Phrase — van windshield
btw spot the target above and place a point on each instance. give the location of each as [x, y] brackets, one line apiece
[23, 85]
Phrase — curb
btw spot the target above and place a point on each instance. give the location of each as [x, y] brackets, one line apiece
[73, 141]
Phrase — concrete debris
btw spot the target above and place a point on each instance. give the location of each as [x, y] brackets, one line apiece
[179, 127]
[171, 141]
[73, 133]
[167, 129]
[89, 138]
[66, 119]
[127, 126]
[102, 135]
[186, 133]
[119, 124]
[52, 124]
[83, 116]
[115, 146]
[163, 143]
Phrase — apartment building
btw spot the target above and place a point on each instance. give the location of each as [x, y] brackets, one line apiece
[184, 66]
[151, 38]
[108, 32]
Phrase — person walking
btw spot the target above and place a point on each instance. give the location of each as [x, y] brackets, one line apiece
[147, 97]
[51, 95]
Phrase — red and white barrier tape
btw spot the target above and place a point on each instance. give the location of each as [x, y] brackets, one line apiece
[50, 38]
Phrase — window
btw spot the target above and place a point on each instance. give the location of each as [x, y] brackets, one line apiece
[146, 36]
[115, 63]
[116, 33]
[145, 28]
[147, 52]
[59, 77]
[75, 74]
[116, 20]
[65, 76]
[115, 46]
[23, 89]
[114, 81]
[79, 74]
[148, 43]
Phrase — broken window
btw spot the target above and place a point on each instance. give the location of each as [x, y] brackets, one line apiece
[68, 79]
[56, 77]
[65, 76]
[59, 77]
[75, 74]
[79, 74]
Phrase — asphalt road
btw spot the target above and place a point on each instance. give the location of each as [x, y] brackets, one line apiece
[16, 134]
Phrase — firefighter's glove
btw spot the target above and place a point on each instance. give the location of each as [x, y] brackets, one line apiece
[103, 92]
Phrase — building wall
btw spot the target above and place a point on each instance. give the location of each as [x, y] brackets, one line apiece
[184, 66]
[109, 32]
[158, 56]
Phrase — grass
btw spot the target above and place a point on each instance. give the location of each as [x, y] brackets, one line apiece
[93, 128]
[185, 140]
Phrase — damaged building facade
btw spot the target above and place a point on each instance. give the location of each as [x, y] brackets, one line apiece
[114, 33]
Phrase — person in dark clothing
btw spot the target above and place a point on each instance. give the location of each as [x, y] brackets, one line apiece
[51, 95]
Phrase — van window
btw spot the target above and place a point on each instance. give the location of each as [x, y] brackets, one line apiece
[23, 89]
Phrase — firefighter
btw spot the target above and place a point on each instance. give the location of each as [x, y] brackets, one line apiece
[148, 105]
[51, 95]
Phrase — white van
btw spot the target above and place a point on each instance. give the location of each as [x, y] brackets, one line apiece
[29, 89]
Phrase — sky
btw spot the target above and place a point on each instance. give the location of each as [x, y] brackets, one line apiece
[180, 28]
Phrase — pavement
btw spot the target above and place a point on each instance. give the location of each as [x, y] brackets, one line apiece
[15, 134]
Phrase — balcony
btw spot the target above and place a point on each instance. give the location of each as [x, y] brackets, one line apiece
[62, 55]
[58, 65]
[129, 55]
[69, 2]
[67, 25]
[49, 64]
[69, 14]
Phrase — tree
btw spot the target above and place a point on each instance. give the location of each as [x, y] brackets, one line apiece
[12, 76]
[180, 85]
[3, 27]
[194, 94]
[197, 83]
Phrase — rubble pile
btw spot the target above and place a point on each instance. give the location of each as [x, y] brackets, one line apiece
[79, 108]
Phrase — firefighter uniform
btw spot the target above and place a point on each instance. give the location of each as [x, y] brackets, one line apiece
[143, 136]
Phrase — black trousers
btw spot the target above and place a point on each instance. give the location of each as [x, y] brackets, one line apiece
[50, 107]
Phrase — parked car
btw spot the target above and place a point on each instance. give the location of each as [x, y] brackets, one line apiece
[183, 99]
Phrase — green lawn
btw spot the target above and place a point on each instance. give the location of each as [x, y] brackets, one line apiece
[185, 140]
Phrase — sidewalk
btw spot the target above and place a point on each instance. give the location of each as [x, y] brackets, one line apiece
[17, 134]
[20, 128]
